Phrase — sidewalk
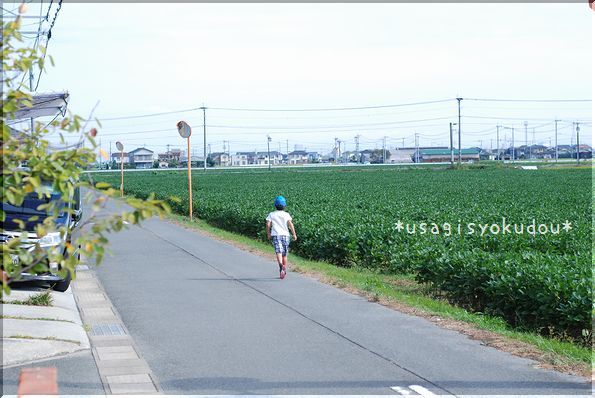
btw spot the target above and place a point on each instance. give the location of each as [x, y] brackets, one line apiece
[47, 336]
[31, 333]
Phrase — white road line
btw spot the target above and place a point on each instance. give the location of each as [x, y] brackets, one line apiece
[402, 390]
[424, 392]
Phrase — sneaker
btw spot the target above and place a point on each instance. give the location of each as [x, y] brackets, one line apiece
[282, 274]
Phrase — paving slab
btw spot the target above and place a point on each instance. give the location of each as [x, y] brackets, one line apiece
[129, 378]
[109, 341]
[135, 388]
[119, 352]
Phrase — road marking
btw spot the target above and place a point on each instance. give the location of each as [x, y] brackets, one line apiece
[402, 390]
[424, 392]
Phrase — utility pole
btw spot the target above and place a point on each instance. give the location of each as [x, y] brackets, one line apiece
[556, 138]
[512, 144]
[269, 151]
[526, 141]
[287, 148]
[452, 149]
[459, 125]
[384, 150]
[497, 142]
[204, 129]
[339, 150]
[357, 148]
[578, 150]
[532, 143]
[416, 148]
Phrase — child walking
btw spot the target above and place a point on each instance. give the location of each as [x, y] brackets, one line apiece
[278, 226]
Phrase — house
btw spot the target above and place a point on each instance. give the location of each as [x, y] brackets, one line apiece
[585, 151]
[117, 157]
[314, 157]
[444, 155]
[297, 157]
[241, 159]
[262, 158]
[141, 158]
[221, 158]
[196, 161]
[172, 156]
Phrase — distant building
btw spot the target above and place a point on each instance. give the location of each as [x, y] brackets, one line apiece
[297, 157]
[172, 156]
[241, 159]
[195, 160]
[444, 155]
[119, 156]
[262, 158]
[141, 158]
[314, 157]
[221, 158]
[407, 154]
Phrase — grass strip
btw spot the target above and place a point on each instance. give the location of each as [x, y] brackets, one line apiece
[43, 299]
[33, 319]
[411, 297]
[20, 336]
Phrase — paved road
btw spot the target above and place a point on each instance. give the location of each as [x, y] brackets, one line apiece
[77, 375]
[211, 319]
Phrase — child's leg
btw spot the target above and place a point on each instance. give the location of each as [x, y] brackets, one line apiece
[285, 261]
[280, 259]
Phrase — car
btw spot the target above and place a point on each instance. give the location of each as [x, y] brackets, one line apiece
[30, 207]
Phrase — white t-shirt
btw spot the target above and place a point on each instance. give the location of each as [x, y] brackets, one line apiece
[279, 219]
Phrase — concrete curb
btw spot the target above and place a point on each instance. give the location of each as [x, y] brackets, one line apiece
[121, 367]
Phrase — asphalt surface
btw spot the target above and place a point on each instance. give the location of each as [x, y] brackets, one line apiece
[77, 375]
[212, 319]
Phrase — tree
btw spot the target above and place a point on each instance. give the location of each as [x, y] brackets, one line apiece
[61, 167]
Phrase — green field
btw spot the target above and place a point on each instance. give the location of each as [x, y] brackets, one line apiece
[538, 279]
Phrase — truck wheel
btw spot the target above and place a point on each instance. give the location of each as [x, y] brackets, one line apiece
[62, 286]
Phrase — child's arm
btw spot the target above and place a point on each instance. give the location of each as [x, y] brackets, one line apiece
[269, 230]
[290, 224]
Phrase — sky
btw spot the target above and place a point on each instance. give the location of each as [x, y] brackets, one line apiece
[139, 59]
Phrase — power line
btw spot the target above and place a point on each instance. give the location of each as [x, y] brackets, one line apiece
[525, 100]
[333, 109]
[150, 114]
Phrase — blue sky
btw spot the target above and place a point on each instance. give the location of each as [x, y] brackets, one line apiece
[146, 58]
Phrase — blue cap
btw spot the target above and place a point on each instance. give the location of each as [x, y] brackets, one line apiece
[280, 201]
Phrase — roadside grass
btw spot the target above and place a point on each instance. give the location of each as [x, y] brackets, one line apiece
[43, 299]
[20, 336]
[33, 319]
[403, 293]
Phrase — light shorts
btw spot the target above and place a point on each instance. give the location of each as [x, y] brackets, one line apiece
[281, 244]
